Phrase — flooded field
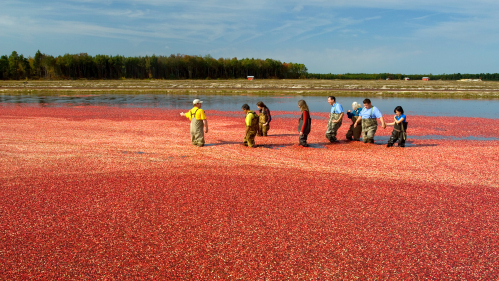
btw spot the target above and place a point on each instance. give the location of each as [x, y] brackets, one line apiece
[486, 108]
[106, 185]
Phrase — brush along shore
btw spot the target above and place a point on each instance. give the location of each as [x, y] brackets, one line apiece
[447, 89]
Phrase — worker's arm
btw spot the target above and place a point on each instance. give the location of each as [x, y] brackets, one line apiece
[305, 121]
[205, 122]
[340, 118]
[358, 120]
[383, 124]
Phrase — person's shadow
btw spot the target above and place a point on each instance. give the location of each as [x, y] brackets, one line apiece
[221, 142]
[282, 135]
[274, 146]
[407, 144]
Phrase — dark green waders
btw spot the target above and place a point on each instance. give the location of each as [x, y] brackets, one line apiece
[369, 127]
[399, 134]
[197, 133]
[332, 128]
[353, 131]
[303, 138]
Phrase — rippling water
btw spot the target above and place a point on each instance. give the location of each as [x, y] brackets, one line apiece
[486, 108]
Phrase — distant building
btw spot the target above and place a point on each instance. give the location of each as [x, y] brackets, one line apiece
[426, 78]
[250, 78]
[407, 78]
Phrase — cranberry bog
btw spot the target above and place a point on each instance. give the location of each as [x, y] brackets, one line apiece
[102, 192]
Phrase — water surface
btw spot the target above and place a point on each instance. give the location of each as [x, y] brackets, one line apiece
[485, 108]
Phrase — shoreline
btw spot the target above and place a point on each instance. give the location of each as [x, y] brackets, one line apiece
[451, 94]
[259, 87]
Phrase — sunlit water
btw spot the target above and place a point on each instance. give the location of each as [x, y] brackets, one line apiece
[485, 108]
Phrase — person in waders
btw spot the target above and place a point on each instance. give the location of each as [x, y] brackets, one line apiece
[198, 123]
[399, 128]
[354, 132]
[264, 119]
[251, 126]
[335, 119]
[304, 123]
[369, 116]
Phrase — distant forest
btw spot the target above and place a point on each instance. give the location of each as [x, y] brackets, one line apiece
[384, 76]
[84, 66]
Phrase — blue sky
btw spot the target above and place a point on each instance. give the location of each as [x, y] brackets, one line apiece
[440, 36]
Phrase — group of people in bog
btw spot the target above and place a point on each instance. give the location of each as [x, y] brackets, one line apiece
[364, 121]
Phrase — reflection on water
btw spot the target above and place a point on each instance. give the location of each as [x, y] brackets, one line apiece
[412, 106]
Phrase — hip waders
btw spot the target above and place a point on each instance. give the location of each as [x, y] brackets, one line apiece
[369, 127]
[249, 139]
[302, 139]
[262, 130]
[353, 131]
[332, 128]
[197, 133]
[399, 134]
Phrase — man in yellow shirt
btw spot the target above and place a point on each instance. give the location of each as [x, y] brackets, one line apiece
[198, 122]
[251, 126]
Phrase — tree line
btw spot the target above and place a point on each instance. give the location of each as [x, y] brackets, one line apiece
[84, 66]
[384, 76]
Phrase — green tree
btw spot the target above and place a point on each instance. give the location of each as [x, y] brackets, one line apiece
[14, 65]
[4, 67]
[37, 64]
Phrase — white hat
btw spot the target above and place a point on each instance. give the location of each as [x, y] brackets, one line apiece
[196, 101]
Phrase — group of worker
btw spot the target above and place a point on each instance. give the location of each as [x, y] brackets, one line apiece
[364, 121]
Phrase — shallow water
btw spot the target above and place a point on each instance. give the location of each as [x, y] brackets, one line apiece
[485, 108]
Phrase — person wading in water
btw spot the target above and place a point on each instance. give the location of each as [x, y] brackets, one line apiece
[198, 122]
[354, 132]
[400, 128]
[304, 123]
[251, 121]
[264, 119]
[335, 119]
[369, 116]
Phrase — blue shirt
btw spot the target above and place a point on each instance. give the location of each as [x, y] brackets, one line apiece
[401, 116]
[354, 113]
[336, 108]
[372, 112]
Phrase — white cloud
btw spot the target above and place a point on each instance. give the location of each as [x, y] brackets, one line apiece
[298, 8]
[445, 6]
[342, 23]
[7, 21]
[124, 13]
[424, 17]
[475, 30]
